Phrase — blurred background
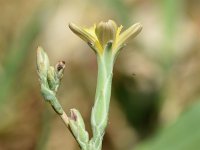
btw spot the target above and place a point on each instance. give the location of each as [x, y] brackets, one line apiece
[156, 86]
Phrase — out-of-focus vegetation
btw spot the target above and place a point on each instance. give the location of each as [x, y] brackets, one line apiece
[156, 85]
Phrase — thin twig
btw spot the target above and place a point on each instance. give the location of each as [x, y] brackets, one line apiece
[65, 119]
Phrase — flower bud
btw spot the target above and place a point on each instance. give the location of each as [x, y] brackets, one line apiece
[77, 127]
[106, 31]
[42, 62]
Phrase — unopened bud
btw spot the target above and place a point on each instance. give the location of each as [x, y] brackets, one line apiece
[77, 127]
[42, 62]
[106, 31]
[76, 117]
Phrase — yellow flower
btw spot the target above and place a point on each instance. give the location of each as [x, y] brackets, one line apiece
[99, 35]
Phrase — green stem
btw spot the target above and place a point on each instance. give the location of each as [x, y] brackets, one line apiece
[100, 110]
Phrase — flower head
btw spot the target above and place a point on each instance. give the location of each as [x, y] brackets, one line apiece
[101, 34]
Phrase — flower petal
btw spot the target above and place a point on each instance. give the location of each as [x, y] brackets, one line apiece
[131, 32]
[84, 34]
[117, 36]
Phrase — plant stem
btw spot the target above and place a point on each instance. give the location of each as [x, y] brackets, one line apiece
[100, 110]
[65, 119]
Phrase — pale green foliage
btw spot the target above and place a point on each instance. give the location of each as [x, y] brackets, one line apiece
[107, 42]
[49, 79]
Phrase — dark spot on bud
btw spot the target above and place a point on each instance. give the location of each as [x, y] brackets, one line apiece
[73, 116]
[60, 65]
[90, 44]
